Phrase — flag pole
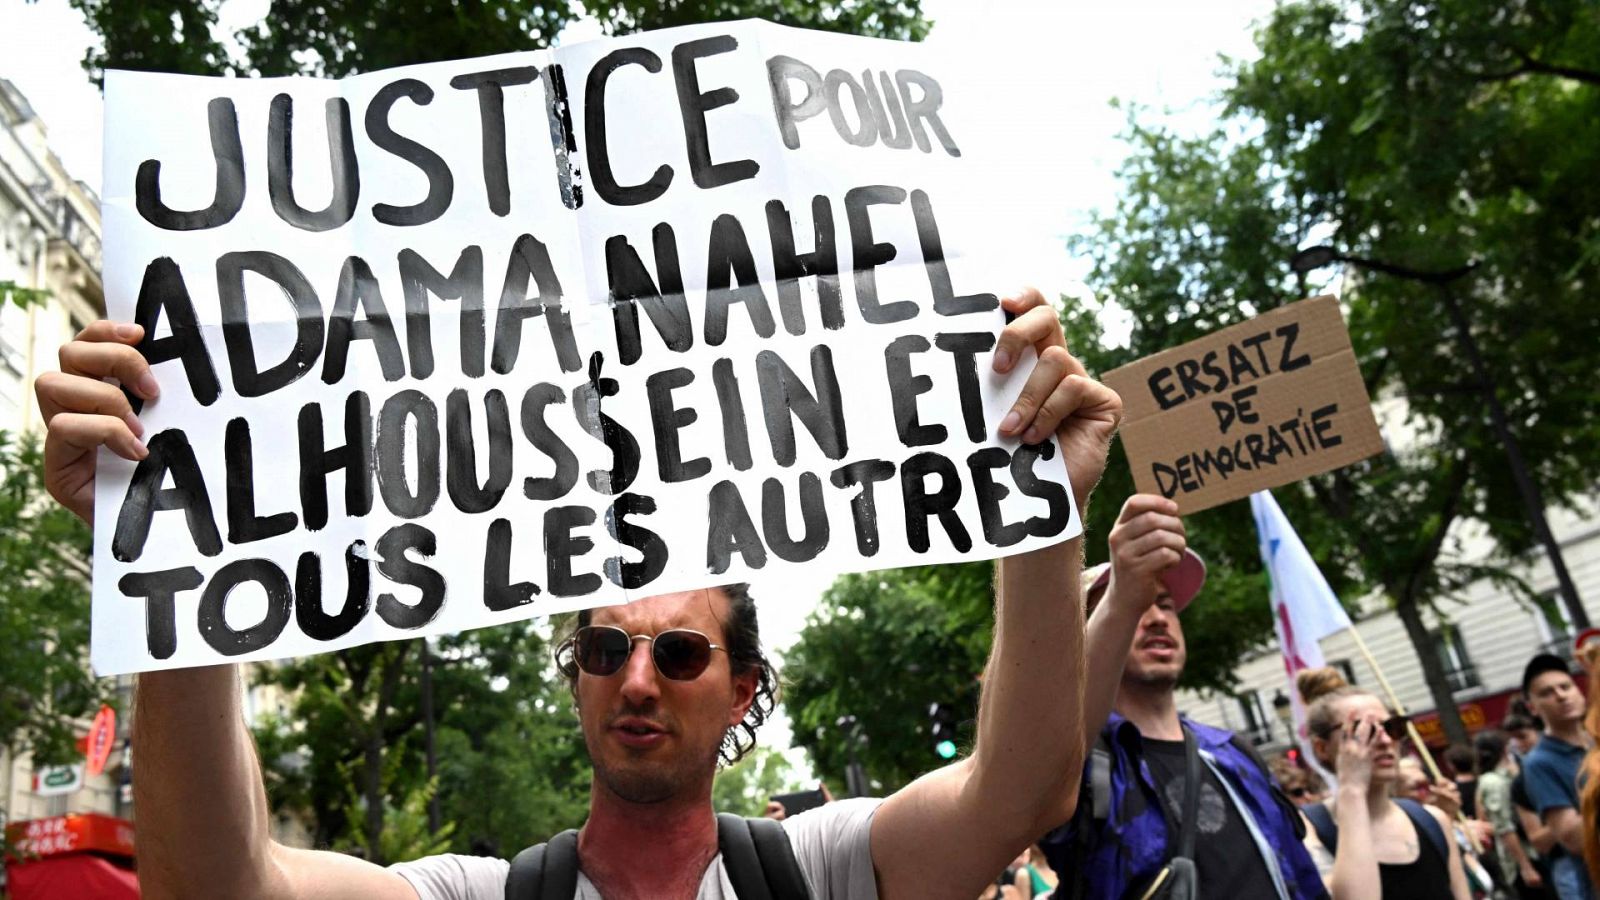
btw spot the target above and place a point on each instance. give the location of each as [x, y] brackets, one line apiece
[1395, 704]
[1411, 728]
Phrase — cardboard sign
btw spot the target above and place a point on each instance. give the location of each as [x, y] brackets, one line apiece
[464, 343]
[1253, 406]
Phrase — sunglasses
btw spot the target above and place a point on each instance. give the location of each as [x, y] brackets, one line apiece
[679, 653]
[1299, 792]
[1394, 727]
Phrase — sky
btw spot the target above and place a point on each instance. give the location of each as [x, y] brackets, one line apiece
[1059, 64]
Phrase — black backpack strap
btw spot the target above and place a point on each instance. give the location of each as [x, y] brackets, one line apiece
[1322, 824]
[527, 868]
[1284, 804]
[1100, 783]
[759, 859]
[547, 871]
[1426, 825]
[1097, 803]
[1191, 795]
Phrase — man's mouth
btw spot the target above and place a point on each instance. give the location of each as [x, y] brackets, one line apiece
[634, 731]
[1159, 643]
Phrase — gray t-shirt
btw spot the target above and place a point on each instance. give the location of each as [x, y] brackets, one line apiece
[832, 843]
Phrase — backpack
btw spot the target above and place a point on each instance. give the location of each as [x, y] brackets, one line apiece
[756, 852]
[1421, 819]
[1096, 798]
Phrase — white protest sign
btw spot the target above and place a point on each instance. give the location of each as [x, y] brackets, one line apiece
[462, 343]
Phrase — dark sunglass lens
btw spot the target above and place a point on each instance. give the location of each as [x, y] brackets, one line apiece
[1298, 792]
[1395, 727]
[682, 655]
[600, 650]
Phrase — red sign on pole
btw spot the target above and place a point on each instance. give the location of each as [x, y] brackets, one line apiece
[102, 736]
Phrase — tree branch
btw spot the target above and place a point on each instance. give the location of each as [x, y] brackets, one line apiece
[1533, 66]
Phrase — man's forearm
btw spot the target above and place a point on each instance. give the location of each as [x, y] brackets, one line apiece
[1030, 745]
[1569, 832]
[1110, 633]
[1514, 847]
[203, 817]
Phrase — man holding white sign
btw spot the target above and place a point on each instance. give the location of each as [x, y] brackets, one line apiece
[653, 722]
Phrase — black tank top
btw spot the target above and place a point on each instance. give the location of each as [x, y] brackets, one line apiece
[1425, 878]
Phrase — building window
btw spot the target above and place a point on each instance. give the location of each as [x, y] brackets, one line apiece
[1459, 672]
[1257, 718]
[1345, 669]
[1554, 623]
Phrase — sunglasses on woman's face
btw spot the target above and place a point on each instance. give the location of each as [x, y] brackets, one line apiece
[1395, 727]
[679, 653]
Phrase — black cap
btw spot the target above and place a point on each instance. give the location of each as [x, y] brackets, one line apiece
[1544, 662]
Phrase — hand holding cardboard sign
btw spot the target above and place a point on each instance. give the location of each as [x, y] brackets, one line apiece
[1147, 540]
[82, 410]
[1059, 395]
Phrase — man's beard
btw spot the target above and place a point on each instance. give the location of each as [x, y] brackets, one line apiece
[1164, 678]
[639, 780]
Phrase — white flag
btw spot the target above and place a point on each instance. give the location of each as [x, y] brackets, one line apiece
[1304, 609]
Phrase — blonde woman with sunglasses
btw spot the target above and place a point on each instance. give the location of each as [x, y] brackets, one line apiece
[1366, 843]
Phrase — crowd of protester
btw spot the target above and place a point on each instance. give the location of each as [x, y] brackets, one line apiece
[1166, 806]
[1513, 814]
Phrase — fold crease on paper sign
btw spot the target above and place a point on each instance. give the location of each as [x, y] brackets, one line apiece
[1256, 405]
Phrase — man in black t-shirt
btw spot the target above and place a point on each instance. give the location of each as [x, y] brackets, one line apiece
[1248, 838]
[1222, 841]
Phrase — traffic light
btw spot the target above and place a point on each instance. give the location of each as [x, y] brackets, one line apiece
[942, 720]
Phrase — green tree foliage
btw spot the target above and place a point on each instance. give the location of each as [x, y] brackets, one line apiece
[20, 296]
[884, 647]
[745, 787]
[1450, 144]
[342, 37]
[511, 765]
[46, 688]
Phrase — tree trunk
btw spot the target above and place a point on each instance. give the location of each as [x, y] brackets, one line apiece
[1432, 670]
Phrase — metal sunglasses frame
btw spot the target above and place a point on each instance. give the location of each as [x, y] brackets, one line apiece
[570, 646]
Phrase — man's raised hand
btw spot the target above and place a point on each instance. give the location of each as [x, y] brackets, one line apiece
[1059, 395]
[83, 410]
[1147, 540]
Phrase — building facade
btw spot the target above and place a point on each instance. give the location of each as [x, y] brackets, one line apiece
[49, 241]
[1483, 637]
[50, 251]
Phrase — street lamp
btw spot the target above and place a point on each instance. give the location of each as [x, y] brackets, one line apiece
[1312, 258]
[1283, 708]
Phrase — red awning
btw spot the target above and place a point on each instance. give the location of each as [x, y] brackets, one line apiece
[75, 877]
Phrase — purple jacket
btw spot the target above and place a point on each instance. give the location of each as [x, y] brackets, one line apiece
[1131, 847]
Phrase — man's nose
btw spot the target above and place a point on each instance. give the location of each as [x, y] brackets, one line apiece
[639, 675]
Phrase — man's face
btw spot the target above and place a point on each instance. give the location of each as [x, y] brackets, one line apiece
[1555, 697]
[1157, 656]
[651, 738]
